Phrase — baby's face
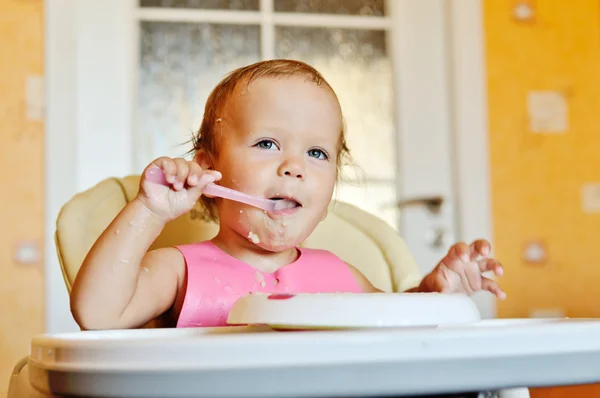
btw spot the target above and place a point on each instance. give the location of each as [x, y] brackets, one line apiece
[278, 139]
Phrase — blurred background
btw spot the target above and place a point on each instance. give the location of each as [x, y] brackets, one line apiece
[465, 118]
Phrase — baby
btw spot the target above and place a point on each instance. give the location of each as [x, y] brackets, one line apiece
[273, 129]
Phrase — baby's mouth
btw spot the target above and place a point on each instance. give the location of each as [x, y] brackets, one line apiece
[291, 202]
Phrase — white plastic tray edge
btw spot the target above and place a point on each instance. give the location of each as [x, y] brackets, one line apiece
[196, 349]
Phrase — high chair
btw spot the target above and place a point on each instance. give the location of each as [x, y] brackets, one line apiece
[356, 236]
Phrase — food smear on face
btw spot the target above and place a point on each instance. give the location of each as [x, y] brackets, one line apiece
[253, 237]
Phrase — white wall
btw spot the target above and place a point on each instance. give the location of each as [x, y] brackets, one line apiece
[82, 145]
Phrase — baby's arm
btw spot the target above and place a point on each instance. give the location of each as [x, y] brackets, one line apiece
[363, 282]
[119, 285]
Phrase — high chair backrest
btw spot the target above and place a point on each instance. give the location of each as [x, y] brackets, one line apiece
[356, 236]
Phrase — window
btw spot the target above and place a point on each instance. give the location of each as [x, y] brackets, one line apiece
[187, 46]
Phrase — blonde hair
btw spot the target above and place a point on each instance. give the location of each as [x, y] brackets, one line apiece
[205, 140]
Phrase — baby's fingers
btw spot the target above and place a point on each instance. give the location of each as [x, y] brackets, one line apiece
[168, 167]
[492, 287]
[181, 175]
[480, 248]
[202, 180]
[196, 176]
[459, 252]
[490, 264]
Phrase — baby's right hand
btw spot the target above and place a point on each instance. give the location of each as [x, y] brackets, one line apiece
[185, 182]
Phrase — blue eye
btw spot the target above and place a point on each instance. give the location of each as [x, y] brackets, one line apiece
[318, 153]
[266, 144]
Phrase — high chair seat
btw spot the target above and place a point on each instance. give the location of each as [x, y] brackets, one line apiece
[359, 238]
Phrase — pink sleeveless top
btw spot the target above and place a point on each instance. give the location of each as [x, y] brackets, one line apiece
[215, 280]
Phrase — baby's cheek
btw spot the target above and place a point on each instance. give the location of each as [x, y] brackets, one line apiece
[248, 179]
[253, 221]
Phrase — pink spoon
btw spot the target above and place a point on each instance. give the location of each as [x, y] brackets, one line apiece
[157, 176]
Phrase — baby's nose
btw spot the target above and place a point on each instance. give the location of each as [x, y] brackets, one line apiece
[293, 173]
[292, 169]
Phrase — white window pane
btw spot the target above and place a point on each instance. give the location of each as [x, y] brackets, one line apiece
[180, 65]
[373, 197]
[357, 66]
[247, 5]
[347, 7]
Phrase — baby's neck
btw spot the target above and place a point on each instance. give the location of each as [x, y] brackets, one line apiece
[264, 260]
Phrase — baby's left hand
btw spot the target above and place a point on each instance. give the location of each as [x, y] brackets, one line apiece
[460, 271]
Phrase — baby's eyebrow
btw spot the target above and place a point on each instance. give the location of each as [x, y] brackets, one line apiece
[263, 131]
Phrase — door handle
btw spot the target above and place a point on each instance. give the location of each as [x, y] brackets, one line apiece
[432, 203]
[436, 238]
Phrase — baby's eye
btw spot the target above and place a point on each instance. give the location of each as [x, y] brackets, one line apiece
[318, 153]
[266, 144]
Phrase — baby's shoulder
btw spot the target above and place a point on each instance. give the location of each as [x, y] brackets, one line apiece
[205, 253]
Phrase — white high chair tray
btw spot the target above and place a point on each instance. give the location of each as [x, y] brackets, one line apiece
[352, 310]
[259, 362]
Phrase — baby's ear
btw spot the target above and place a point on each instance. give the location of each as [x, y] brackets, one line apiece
[204, 160]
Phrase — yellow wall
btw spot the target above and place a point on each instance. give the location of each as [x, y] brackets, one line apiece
[536, 179]
[21, 197]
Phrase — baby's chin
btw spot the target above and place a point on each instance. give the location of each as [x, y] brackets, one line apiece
[274, 235]
[275, 238]
[275, 241]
